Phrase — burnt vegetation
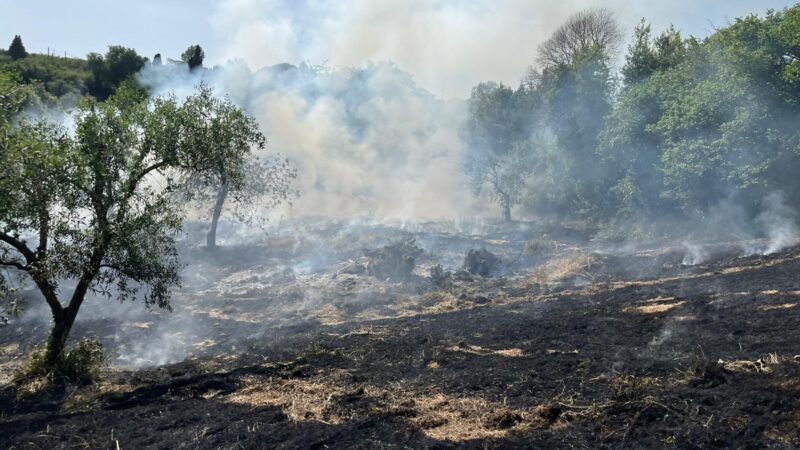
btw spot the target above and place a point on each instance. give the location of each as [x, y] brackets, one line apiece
[637, 286]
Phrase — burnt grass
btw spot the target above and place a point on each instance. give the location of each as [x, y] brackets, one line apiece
[687, 357]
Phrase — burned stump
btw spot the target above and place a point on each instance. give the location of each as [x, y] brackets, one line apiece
[481, 262]
[440, 277]
[394, 262]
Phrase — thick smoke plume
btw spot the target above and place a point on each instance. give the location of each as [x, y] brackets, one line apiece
[368, 142]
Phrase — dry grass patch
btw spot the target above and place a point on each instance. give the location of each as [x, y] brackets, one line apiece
[773, 307]
[300, 399]
[462, 418]
[575, 263]
[654, 308]
[478, 350]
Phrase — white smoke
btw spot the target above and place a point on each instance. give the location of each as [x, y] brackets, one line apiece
[778, 223]
[368, 142]
[448, 45]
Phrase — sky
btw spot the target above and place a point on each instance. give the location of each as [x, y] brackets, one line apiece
[447, 45]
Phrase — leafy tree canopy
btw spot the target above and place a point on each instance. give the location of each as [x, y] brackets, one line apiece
[193, 56]
[110, 70]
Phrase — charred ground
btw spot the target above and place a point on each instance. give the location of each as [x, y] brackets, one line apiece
[566, 344]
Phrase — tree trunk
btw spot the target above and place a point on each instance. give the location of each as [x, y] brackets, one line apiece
[57, 342]
[211, 237]
[64, 319]
[506, 210]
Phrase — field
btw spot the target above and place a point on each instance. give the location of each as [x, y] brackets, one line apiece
[301, 342]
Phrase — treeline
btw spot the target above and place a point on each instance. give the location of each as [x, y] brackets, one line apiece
[686, 124]
[49, 78]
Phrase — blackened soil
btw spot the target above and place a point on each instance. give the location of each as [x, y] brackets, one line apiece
[698, 358]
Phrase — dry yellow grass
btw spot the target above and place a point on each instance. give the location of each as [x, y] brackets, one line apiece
[574, 263]
[478, 350]
[438, 415]
[655, 306]
[781, 306]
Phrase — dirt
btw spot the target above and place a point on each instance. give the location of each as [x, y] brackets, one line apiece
[585, 348]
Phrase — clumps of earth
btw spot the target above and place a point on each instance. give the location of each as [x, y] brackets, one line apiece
[477, 262]
[482, 262]
[394, 262]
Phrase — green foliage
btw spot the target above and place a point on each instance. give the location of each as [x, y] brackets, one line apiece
[58, 76]
[88, 196]
[110, 70]
[711, 119]
[647, 55]
[193, 56]
[17, 50]
[81, 365]
[695, 122]
[16, 97]
[578, 99]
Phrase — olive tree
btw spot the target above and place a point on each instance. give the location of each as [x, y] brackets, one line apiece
[237, 168]
[496, 135]
[93, 209]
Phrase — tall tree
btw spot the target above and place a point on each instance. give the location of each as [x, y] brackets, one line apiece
[231, 137]
[193, 56]
[592, 29]
[16, 50]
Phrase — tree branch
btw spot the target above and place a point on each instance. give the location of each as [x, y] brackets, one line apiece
[134, 181]
[19, 246]
[14, 264]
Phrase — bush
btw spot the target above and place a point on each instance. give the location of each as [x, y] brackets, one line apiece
[81, 365]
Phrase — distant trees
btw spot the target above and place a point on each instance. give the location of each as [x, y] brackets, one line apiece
[92, 209]
[193, 56]
[58, 76]
[110, 70]
[17, 50]
[692, 122]
[230, 137]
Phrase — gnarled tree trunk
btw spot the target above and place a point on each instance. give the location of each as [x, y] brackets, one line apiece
[57, 342]
[64, 318]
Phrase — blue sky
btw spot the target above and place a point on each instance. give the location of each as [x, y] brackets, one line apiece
[448, 45]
